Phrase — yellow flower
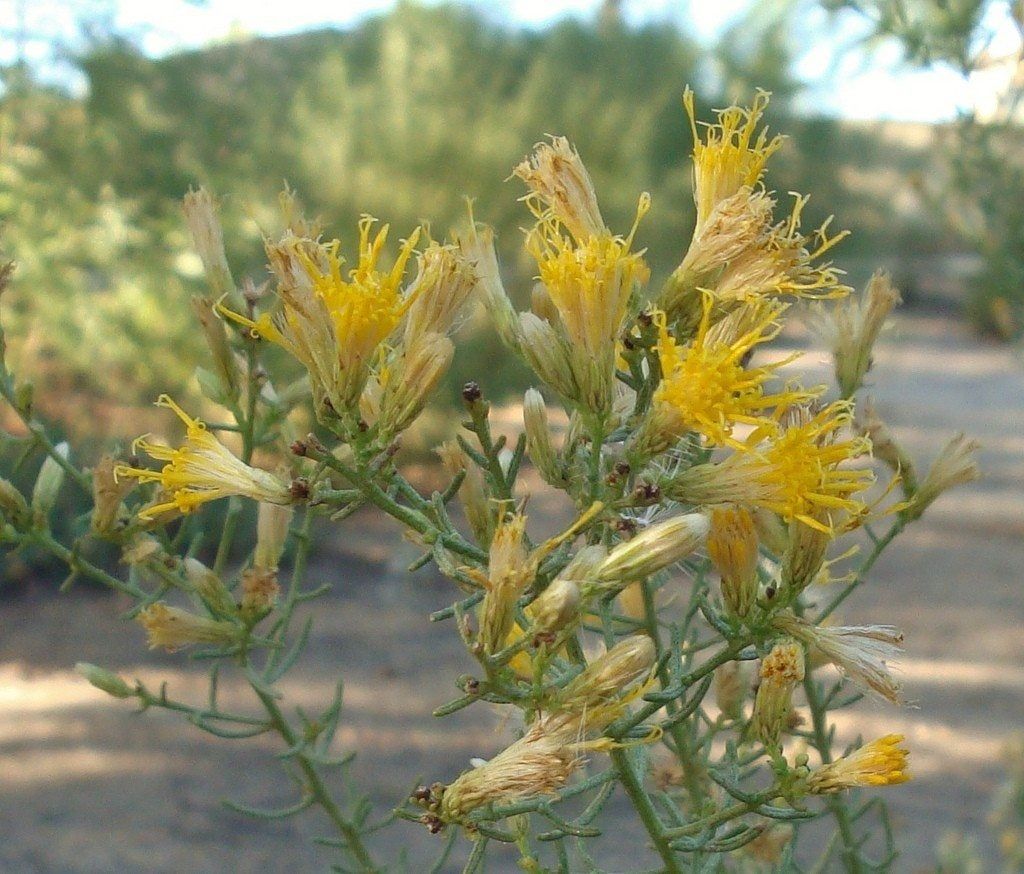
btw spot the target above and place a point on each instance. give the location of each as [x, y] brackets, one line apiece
[796, 472]
[590, 280]
[589, 277]
[705, 386]
[783, 261]
[201, 470]
[879, 763]
[738, 250]
[732, 156]
[334, 325]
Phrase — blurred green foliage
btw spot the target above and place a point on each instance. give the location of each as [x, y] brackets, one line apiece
[399, 117]
[978, 185]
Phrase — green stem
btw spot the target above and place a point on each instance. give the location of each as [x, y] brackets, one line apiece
[247, 426]
[851, 858]
[76, 563]
[633, 785]
[680, 732]
[406, 515]
[346, 828]
[863, 570]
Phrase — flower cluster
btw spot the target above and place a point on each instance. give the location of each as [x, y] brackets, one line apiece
[709, 490]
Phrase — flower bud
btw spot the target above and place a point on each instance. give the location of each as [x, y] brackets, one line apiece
[546, 354]
[804, 557]
[48, 483]
[201, 217]
[608, 675]
[107, 494]
[13, 506]
[104, 680]
[732, 547]
[555, 607]
[781, 670]
[414, 379]
[210, 588]
[653, 549]
[217, 339]
[538, 438]
[955, 466]
[173, 628]
[272, 524]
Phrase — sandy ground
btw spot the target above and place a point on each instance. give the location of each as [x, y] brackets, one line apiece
[85, 786]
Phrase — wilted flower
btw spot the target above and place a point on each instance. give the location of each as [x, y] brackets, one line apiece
[955, 466]
[881, 762]
[860, 652]
[173, 628]
[851, 327]
[201, 470]
[107, 494]
[781, 670]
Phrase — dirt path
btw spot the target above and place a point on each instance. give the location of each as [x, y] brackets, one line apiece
[86, 787]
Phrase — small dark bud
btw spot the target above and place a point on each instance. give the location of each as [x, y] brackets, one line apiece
[621, 468]
[362, 426]
[299, 489]
[471, 392]
[547, 637]
[299, 448]
[626, 526]
[769, 593]
[433, 823]
[628, 343]
[647, 492]
[645, 319]
[421, 793]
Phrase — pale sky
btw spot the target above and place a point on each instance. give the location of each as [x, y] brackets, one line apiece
[839, 83]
